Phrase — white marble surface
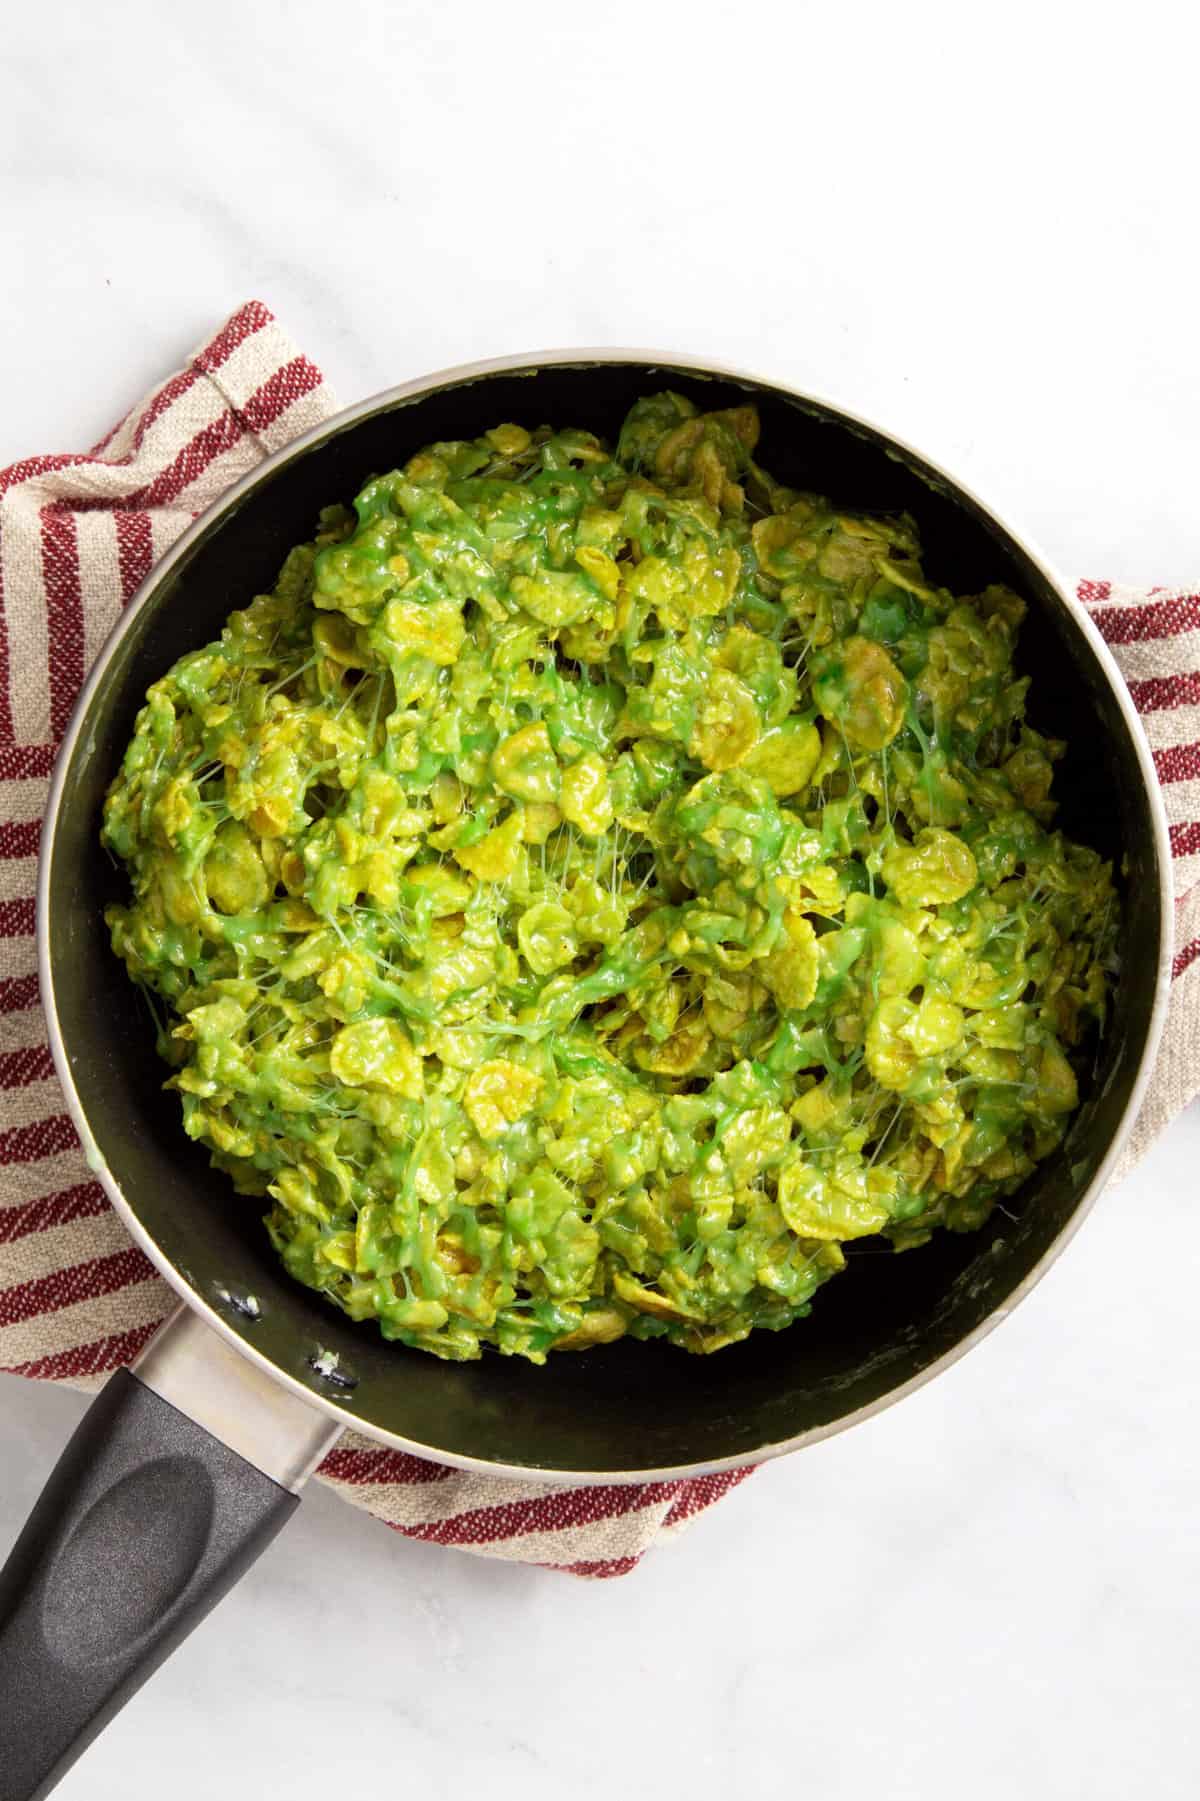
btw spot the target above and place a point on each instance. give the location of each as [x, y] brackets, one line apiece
[978, 225]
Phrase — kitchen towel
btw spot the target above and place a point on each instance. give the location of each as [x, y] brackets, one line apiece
[78, 534]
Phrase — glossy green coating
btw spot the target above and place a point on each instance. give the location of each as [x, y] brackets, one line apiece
[594, 886]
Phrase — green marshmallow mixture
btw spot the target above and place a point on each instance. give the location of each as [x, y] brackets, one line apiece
[596, 885]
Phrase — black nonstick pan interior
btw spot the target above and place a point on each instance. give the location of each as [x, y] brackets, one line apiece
[627, 1408]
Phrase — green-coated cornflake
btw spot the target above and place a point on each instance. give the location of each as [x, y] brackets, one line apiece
[595, 886]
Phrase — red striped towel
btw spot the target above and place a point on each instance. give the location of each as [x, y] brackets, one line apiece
[1154, 634]
[77, 536]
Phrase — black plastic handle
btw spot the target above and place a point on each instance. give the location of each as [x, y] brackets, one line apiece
[145, 1523]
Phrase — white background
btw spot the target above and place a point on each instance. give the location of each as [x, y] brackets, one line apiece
[977, 224]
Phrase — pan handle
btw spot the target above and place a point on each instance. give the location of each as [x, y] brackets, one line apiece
[175, 1481]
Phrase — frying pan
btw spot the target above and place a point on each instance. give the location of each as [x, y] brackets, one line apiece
[185, 1468]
